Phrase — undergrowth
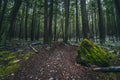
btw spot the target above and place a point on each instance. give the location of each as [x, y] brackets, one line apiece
[10, 62]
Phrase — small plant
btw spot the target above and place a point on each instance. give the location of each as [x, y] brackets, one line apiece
[91, 54]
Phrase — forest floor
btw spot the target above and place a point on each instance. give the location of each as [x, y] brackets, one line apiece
[56, 63]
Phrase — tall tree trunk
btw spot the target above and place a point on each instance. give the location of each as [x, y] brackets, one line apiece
[45, 21]
[85, 25]
[55, 23]
[96, 25]
[50, 21]
[117, 6]
[101, 25]
[0, 4]
[38, 28]
[92, 36]
[66, 20]
[13, 15]
[33, 23]
[21, 25]
[26, 21]
[3, 12]
[116, 27]
[77, 23]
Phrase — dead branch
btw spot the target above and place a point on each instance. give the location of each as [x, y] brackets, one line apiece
[35, 50]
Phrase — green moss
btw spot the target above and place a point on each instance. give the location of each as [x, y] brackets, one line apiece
[11, 69]
[91, 54]
[27, 55]
[9, 62]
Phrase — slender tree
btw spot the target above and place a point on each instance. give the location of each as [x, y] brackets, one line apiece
[46, 22]
[67, 2]
[21, 24]
[50, 21]
[55, 22]
[77, 23]
[33, 23]
[85, 26]
[101, 25]
[117, 6]
[26, 20]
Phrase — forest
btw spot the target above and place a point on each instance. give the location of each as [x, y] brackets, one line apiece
[59, 40]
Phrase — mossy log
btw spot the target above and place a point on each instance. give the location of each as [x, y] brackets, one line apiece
[108, 69]
[91, 54]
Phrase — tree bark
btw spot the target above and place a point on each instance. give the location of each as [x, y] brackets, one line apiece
[85, 26]
[117, 6]
[77, 23]
[55, 23]
[66, 20]
[21, 25]
[45, 21]
[3, 12]
[26, 21]
[0, 4]
[50, 21]
[100, 23]
[33, 23]
[13, 15]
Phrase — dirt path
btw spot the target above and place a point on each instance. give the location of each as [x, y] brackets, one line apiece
[57, 63]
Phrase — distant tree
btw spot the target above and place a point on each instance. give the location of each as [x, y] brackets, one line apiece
[77, 23]
[67, 3]
[33, 23]
[21, 24]
[117, 6]
[101, 25]
[85, 26]
[50, 21]
[45, 21]
[55, 22]
[26, 20]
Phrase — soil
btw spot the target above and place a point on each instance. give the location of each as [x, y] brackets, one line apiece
[57, 62]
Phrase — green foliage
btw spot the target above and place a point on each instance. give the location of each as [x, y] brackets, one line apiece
[27, 55]
[9, 62]
[91, 54]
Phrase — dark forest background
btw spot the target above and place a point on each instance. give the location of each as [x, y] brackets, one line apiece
[52, 20]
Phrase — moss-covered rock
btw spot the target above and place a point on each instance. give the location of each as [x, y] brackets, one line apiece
[91, 54]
